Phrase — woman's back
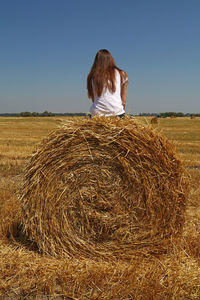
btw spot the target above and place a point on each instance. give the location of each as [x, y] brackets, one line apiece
[108, 103]
[105, 84]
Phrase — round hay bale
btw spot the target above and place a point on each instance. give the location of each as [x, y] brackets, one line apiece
[154, 120]
[103, 187]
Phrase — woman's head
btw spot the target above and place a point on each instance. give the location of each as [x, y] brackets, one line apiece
[102, 73]
[104, 60]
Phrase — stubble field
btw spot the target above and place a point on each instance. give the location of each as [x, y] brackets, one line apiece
[27, 274]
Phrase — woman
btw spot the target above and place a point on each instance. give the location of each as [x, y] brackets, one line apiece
[106, 85]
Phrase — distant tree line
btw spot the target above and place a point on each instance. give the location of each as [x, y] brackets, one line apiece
[47, 114]
[50, 114]
[43, 114]
[169, 114]
[71, 114]
[36, 114]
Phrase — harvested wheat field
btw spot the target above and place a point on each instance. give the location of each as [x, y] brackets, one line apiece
[100, 210]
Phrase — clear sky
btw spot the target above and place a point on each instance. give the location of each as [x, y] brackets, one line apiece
[47, 48]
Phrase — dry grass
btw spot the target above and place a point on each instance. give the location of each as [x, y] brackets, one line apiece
[27, 274]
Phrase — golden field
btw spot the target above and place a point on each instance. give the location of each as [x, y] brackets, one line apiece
[25, 274]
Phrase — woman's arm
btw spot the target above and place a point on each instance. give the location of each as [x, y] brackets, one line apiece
[124, 93]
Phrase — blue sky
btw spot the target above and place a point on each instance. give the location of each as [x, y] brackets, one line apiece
[47, 48]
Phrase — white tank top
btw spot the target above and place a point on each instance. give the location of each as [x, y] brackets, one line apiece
[109, 104]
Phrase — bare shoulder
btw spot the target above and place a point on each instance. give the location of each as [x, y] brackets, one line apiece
[124, 77]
